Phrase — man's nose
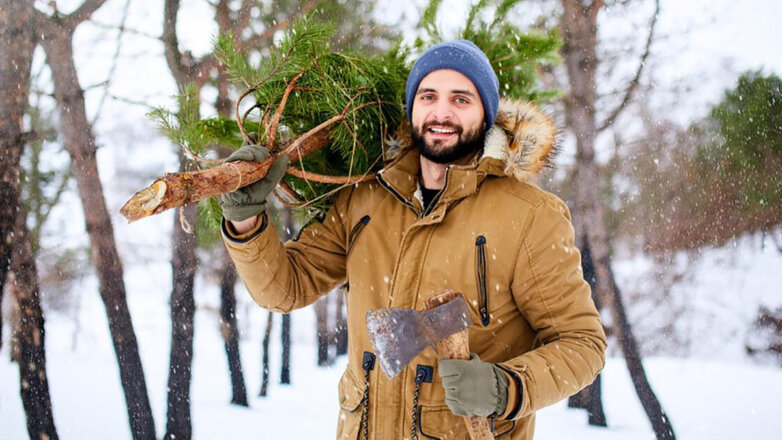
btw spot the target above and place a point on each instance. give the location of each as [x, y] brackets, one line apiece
[443, 110]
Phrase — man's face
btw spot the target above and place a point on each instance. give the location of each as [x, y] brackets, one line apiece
[447, 117]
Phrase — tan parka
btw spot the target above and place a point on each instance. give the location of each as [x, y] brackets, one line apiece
[492, 235]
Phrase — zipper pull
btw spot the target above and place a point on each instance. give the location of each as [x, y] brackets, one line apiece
[368, 363]
[423, 374]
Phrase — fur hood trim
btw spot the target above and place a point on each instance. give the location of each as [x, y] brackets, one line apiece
[523, 138]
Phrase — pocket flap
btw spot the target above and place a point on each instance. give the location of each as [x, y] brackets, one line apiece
[438, 422]
[350, 393]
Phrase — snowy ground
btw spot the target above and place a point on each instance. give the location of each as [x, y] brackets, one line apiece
[705, 399]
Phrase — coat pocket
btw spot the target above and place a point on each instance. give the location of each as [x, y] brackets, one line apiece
[480, 279]
[356, 231]
[350, 396]
[439, 423]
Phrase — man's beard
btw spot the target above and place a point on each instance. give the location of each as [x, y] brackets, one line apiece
[466, 144]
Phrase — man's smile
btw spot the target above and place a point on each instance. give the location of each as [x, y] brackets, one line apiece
[441, 131]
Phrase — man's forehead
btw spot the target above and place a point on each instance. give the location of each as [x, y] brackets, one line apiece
[447, 80]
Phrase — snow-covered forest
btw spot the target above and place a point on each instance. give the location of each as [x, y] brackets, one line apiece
[669, 145]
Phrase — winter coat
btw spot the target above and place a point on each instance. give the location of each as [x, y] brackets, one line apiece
[492, 235]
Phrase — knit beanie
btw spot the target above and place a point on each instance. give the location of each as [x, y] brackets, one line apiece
[466, 58]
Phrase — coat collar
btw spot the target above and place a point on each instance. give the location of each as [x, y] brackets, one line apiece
[520, 143]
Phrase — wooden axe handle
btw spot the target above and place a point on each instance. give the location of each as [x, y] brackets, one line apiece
[457, 346]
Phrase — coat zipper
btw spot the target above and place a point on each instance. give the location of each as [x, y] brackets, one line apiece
[480, 271]
[367, 364]
[354, 233]
[398, 196]
[436, 198]
[424, 212]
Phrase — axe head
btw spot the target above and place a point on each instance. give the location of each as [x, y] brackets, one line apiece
[399, 334]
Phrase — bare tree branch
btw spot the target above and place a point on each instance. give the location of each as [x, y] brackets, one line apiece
[114, 61]
[28, 136]
[209, 62]
[258, 39]
[243, 16]
[636, 80]
[131, 101]
[171, 43]
[82, 13]
[128, 30]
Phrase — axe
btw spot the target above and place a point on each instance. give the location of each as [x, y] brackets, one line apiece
[399, 334]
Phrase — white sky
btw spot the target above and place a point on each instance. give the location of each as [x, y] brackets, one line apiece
[747, 31]
[709, 40]
[702, 48]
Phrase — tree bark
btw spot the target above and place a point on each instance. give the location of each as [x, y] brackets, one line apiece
[579, 30]
[228, 293]
[591, 397]
[285, 337]
[34, 384]
[231, 331]
[265, 354]
[14, 349]
[79, 141]
[17, 38]
[322, 328]
[183, 264]
[286, 226]
[341, 323]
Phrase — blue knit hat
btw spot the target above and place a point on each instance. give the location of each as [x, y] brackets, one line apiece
[466, 58]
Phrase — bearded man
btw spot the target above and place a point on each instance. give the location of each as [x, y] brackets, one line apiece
[455, 209]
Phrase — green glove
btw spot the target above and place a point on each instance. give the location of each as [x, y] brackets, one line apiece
[250, 200]
[473, 387]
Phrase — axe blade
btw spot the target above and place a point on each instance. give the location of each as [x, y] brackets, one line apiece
[399, 334]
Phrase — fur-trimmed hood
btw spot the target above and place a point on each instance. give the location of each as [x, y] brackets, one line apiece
[523, 138]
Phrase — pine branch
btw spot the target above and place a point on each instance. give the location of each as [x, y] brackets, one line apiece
[428, 21]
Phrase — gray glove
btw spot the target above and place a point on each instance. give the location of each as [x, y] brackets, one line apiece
[250, 200]
[473, 387]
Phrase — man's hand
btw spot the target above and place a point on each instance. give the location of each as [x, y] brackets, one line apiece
[248, 202]
[473, 387]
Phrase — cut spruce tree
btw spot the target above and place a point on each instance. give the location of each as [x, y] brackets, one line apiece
[328, 111]
[331, 112]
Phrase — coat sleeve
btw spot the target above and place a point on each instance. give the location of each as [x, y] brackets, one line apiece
[551, 294]
[283, 277]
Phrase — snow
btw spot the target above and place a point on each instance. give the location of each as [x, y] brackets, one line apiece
[704, 399]
[710, 394]
[710, 310]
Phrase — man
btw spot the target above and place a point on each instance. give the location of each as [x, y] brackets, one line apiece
[453, 210]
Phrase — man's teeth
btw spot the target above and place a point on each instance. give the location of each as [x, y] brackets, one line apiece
[442, 130]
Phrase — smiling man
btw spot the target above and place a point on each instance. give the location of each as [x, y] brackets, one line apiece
[448, 123]
[454, 209]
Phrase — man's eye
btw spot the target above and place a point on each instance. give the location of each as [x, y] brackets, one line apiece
[460, 100]
[427, 97]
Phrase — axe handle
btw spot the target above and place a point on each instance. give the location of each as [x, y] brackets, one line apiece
[457, 346]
